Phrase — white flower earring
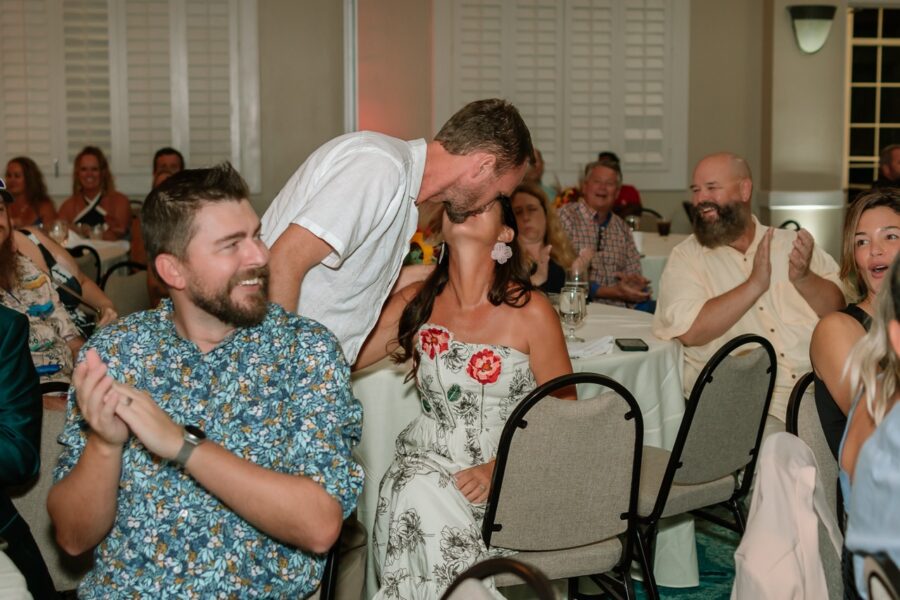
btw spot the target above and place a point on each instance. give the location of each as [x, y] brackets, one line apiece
[501, 252]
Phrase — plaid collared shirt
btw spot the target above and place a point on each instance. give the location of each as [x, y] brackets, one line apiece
[615, 249]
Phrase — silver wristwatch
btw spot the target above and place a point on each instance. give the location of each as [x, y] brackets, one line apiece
[193, 437]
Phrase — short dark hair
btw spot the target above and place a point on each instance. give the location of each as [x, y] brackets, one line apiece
[608, 154]
[165, 152]
[493, 126]
[167, 216]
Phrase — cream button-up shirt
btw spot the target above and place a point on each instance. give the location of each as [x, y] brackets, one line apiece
[695, 274]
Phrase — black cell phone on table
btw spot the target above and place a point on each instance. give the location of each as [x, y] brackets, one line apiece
[632, 344]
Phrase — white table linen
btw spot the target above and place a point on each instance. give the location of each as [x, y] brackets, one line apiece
[654, 377]
[110, 251]
[655, 251]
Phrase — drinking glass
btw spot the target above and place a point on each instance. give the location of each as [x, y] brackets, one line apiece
[572, 310]
[59, 232]
[577, 276]
[633, 222]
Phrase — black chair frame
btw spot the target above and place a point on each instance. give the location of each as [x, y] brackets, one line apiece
[121, 265]
[656, 214]
[517, 420]
[647, 528]
[880, 566]
[785, 225]
[532, 577]
[793, 408]
[328, 587]
[81, 250]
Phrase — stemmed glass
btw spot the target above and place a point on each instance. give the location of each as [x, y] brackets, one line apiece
[577, 276]
[59, 231]
[572, 310]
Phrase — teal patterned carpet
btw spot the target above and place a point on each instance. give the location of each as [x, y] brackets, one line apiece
[715, 554]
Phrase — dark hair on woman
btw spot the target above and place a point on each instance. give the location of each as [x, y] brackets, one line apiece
[887, 197]
[511, 285]
[35, 188]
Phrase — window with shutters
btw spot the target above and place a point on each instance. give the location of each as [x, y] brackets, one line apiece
[587, 76]
[129, 76]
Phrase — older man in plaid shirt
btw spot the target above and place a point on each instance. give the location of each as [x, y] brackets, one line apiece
[615, 268]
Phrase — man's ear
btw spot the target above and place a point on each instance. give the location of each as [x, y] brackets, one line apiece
[171, 271]
[746, 189]
[483, 164]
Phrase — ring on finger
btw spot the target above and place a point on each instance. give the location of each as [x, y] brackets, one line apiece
[126, 400]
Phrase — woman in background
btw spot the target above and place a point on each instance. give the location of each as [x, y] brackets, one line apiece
[871, 240]
[31, 204]
[869, 451]
[547, 249]
[94, 201]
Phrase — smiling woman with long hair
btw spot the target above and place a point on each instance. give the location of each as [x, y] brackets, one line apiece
[94, 201]
[479, 340]
[31, 203]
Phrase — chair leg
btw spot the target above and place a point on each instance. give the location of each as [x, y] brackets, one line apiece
[646, 562]
[739, 520]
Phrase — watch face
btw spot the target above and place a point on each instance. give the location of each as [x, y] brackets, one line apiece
[195, 431]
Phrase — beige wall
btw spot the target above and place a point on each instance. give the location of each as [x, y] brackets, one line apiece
[301, 85]
[394, 67]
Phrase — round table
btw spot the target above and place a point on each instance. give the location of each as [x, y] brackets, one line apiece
[654, 377]
[655, 251]
[109, 251]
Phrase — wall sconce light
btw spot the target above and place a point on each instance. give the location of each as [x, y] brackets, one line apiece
[812, 24]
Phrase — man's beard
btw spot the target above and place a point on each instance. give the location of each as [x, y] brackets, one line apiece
[460, 202]
[9, 265]
[221, 306]
[732, 220]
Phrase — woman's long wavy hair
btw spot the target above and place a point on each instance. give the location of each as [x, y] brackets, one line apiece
[850, 275]
[873, 365]
[35, 187]
[107, 181]
[511, 286]
[561, 248]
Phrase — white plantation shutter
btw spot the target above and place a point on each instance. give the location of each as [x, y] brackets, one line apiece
[26, 95]
[129, 76]
[587, 75]
[209, 80]
[149, 89]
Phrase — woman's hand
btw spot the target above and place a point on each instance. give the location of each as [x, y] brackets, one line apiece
[475, 482]
[106, 315]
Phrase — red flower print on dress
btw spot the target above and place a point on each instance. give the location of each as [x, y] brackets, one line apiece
[484, 367]
[434, 341]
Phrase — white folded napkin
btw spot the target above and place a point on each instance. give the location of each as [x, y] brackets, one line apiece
[602, 345]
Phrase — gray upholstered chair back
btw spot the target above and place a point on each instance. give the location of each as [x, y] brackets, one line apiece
[727, 419]
[809, 429]
[568, 476]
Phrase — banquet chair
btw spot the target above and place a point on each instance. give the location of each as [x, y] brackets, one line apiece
[128, 291]
[803, 421]
[882, 577]
[564, 491]
[718, 438]
[649, 219]
[468, 586]
[31, 502]
[88, 261]
[790, 224]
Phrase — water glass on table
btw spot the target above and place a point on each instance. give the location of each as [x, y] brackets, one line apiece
[59, 232]
[577, 276]
[572, 310]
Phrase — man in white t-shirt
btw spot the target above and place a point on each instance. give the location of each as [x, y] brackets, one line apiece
[340, 227]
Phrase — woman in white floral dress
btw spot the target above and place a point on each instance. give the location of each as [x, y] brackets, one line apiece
[479, 340]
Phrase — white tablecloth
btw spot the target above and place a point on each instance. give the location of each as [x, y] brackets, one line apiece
[654, 377]
[110, 251]
[654, 254]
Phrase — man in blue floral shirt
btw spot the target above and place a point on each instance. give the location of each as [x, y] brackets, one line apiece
[208, 441]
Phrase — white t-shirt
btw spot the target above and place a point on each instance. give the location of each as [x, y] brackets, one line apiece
[357, 193]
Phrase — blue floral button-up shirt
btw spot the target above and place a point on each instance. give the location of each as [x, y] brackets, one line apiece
[277, 394]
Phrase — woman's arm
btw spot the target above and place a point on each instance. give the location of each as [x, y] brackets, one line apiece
[382, 339]
[90, 291]
[547, 352]
[832, 340]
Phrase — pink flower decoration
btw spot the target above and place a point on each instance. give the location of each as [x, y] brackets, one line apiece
[434, 341]
[484, 367]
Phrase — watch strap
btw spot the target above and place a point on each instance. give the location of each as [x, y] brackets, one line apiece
[185, 453]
